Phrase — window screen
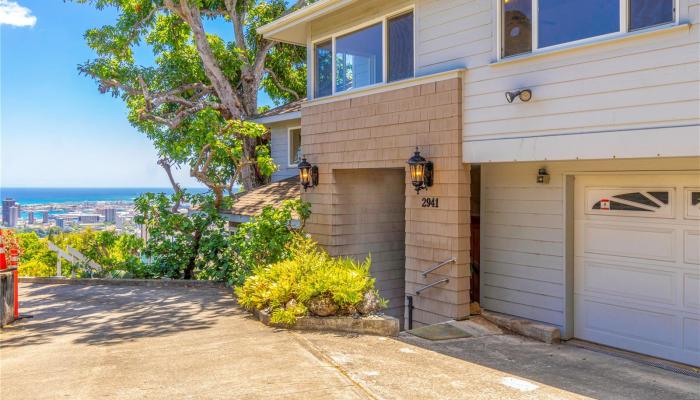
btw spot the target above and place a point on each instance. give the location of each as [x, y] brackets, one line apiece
[400, 41]
[646, 13]
[323, 54]
[563, 21]
[517, 27]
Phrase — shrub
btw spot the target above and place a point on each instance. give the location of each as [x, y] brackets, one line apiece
[36, 268]
[309, 281]
[265, 239]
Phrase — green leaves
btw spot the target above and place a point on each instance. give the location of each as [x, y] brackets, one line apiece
[289, 287]
[189, 111]
[111, 250]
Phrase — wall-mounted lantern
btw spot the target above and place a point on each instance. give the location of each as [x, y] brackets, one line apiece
[543, 176]
[421, 171]
[524, 95]
[308, 174]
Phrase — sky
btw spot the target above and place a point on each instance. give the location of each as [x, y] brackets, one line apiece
[56, 129]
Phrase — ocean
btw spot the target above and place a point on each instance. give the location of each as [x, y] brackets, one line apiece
[26, 196]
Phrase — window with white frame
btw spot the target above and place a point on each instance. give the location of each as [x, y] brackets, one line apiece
[529, 25]
[358, 58]
[294, 146]
[380, 52]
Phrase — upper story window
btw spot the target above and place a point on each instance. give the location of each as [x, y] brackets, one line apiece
[528, 25]
[294, 146]
[358, 59]
[323, 61]
[381, 52]
[400, 42]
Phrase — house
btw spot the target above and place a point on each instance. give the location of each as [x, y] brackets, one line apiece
[565, 143]
[284, 123]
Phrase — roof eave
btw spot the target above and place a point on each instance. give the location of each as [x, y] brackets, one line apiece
[290, 116]
[287, 29]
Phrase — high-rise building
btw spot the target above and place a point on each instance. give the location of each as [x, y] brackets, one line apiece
[89, 218]
[45, 219]
[6, 204]
[110, 215]
[61, 222]
[30, 217]
[13, 216]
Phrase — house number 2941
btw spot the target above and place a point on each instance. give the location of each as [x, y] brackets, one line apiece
[430, 202]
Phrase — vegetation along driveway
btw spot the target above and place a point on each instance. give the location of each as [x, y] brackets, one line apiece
[94, 342]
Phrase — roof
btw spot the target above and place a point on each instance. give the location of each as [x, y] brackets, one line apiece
[287, 112]
[292, 27]
[251, 203]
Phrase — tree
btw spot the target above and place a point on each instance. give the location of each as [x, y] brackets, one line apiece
[194, 100]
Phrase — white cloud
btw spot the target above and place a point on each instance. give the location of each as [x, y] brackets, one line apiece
[11, 13]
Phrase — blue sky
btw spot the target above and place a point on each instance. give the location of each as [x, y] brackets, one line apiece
[56, 130]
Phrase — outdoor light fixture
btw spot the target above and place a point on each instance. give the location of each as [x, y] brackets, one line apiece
[308, 174]
[525, 95]
[542, 176]
[421, 171]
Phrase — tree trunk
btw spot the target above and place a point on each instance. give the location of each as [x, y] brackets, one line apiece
[191, 264]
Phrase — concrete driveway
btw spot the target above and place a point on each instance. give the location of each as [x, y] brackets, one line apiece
[90, 342]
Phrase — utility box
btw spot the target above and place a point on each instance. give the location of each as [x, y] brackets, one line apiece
[7, 296]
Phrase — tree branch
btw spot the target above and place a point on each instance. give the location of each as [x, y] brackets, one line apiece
[237, 21]
[259, 64]
[191, 15]
[279, 84]
[165, 163]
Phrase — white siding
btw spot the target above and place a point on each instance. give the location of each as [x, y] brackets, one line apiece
[523, 233]
[453, 34]
[643, 81]
[279, 149]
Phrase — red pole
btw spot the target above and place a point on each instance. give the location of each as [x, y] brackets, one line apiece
[14, 262]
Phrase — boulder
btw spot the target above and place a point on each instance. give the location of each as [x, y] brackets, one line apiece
[370, 303]
[322, 306]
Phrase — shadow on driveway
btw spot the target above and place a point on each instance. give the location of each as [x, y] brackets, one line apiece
[106, 315]
[567, 367]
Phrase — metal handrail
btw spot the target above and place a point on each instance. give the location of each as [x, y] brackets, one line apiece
[418, 291]
[437, 266]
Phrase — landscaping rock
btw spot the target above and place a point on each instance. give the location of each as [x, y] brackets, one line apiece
[322, 306]
[381, 325]
[370, 303]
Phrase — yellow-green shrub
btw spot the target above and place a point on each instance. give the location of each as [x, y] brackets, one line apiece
[36, 268]
[287, 287]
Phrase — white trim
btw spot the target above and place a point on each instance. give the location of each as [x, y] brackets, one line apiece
[535, 28]
[385, 51]
[289, 145]
[385, 87]
[301, 16]
[623, 32]
[278, 118]
[367, 23]
[649, 142]
[594, 41]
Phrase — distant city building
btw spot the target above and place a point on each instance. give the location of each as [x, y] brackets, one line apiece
[13, 216]
[46, 217]
[89, 218]
[6, 204]
[110, 215]
[30, 217]
[61, 223]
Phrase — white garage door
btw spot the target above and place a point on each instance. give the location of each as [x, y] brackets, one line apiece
[637, 263]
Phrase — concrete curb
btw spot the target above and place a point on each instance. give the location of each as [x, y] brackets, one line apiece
[378, 325]
[534, 330]
[154, 283]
